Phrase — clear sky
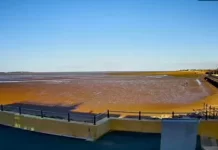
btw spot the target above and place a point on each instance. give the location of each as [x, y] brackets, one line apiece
[108, 35]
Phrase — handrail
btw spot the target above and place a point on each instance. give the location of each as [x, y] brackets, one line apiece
[206, 112]
[50, 114]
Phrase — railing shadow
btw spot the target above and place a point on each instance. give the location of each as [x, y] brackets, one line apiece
[56, 112]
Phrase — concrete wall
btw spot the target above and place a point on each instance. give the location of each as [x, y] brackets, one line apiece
[102, 128]
[148, 126]
[7, 119]
[208, 128]
[50, 126]
[76, 129]
[93, 132]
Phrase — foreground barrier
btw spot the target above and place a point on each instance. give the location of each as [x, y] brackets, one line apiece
[69, 116]
[48, 125]
[207, 112]
[181, 134]
[131, 125]
[89, 131]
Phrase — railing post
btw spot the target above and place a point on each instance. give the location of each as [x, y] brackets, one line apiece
[108, 113]
[173, 114]
[209, 112]
[68, 117]
[214, 111]
[94, 120]
[2, 108]
[206, 114]
[139, 115]
[42, 114]
[19, 110]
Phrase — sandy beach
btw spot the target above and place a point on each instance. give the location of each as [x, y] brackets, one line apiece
[100, 93]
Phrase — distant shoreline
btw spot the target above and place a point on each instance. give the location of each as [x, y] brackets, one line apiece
[23, 72]
[111, 73]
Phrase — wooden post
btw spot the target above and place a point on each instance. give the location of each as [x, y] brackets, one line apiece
[19, 110]
[214, 111]
[206, 113]
[108, 113]
[42, 114]
[210, 112]
[173, 114]
[139, 115]
[94, 119]
[68, 117]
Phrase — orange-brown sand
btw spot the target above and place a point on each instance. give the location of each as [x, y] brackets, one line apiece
[127, 94]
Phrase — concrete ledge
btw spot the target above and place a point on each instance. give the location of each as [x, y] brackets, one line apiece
[208, 128]
[210, 148]
[48, 126]
[208, 143]
[146, 126]
[92, 132]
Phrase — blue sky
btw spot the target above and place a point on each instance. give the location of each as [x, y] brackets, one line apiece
[107, 35]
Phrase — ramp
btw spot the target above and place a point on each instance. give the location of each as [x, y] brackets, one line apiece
[179, 134]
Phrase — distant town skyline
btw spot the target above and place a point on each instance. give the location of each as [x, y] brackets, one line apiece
[102, 35]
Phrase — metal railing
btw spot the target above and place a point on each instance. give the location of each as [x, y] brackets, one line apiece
[207, 112]
[69, 116]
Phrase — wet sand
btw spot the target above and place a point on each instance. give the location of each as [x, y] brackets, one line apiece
[99, 93]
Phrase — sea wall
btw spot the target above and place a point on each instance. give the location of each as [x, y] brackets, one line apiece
[77, 129]
[132, 125]
[208, 128]
[102, 127]
[93, 132]
[47, 125]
